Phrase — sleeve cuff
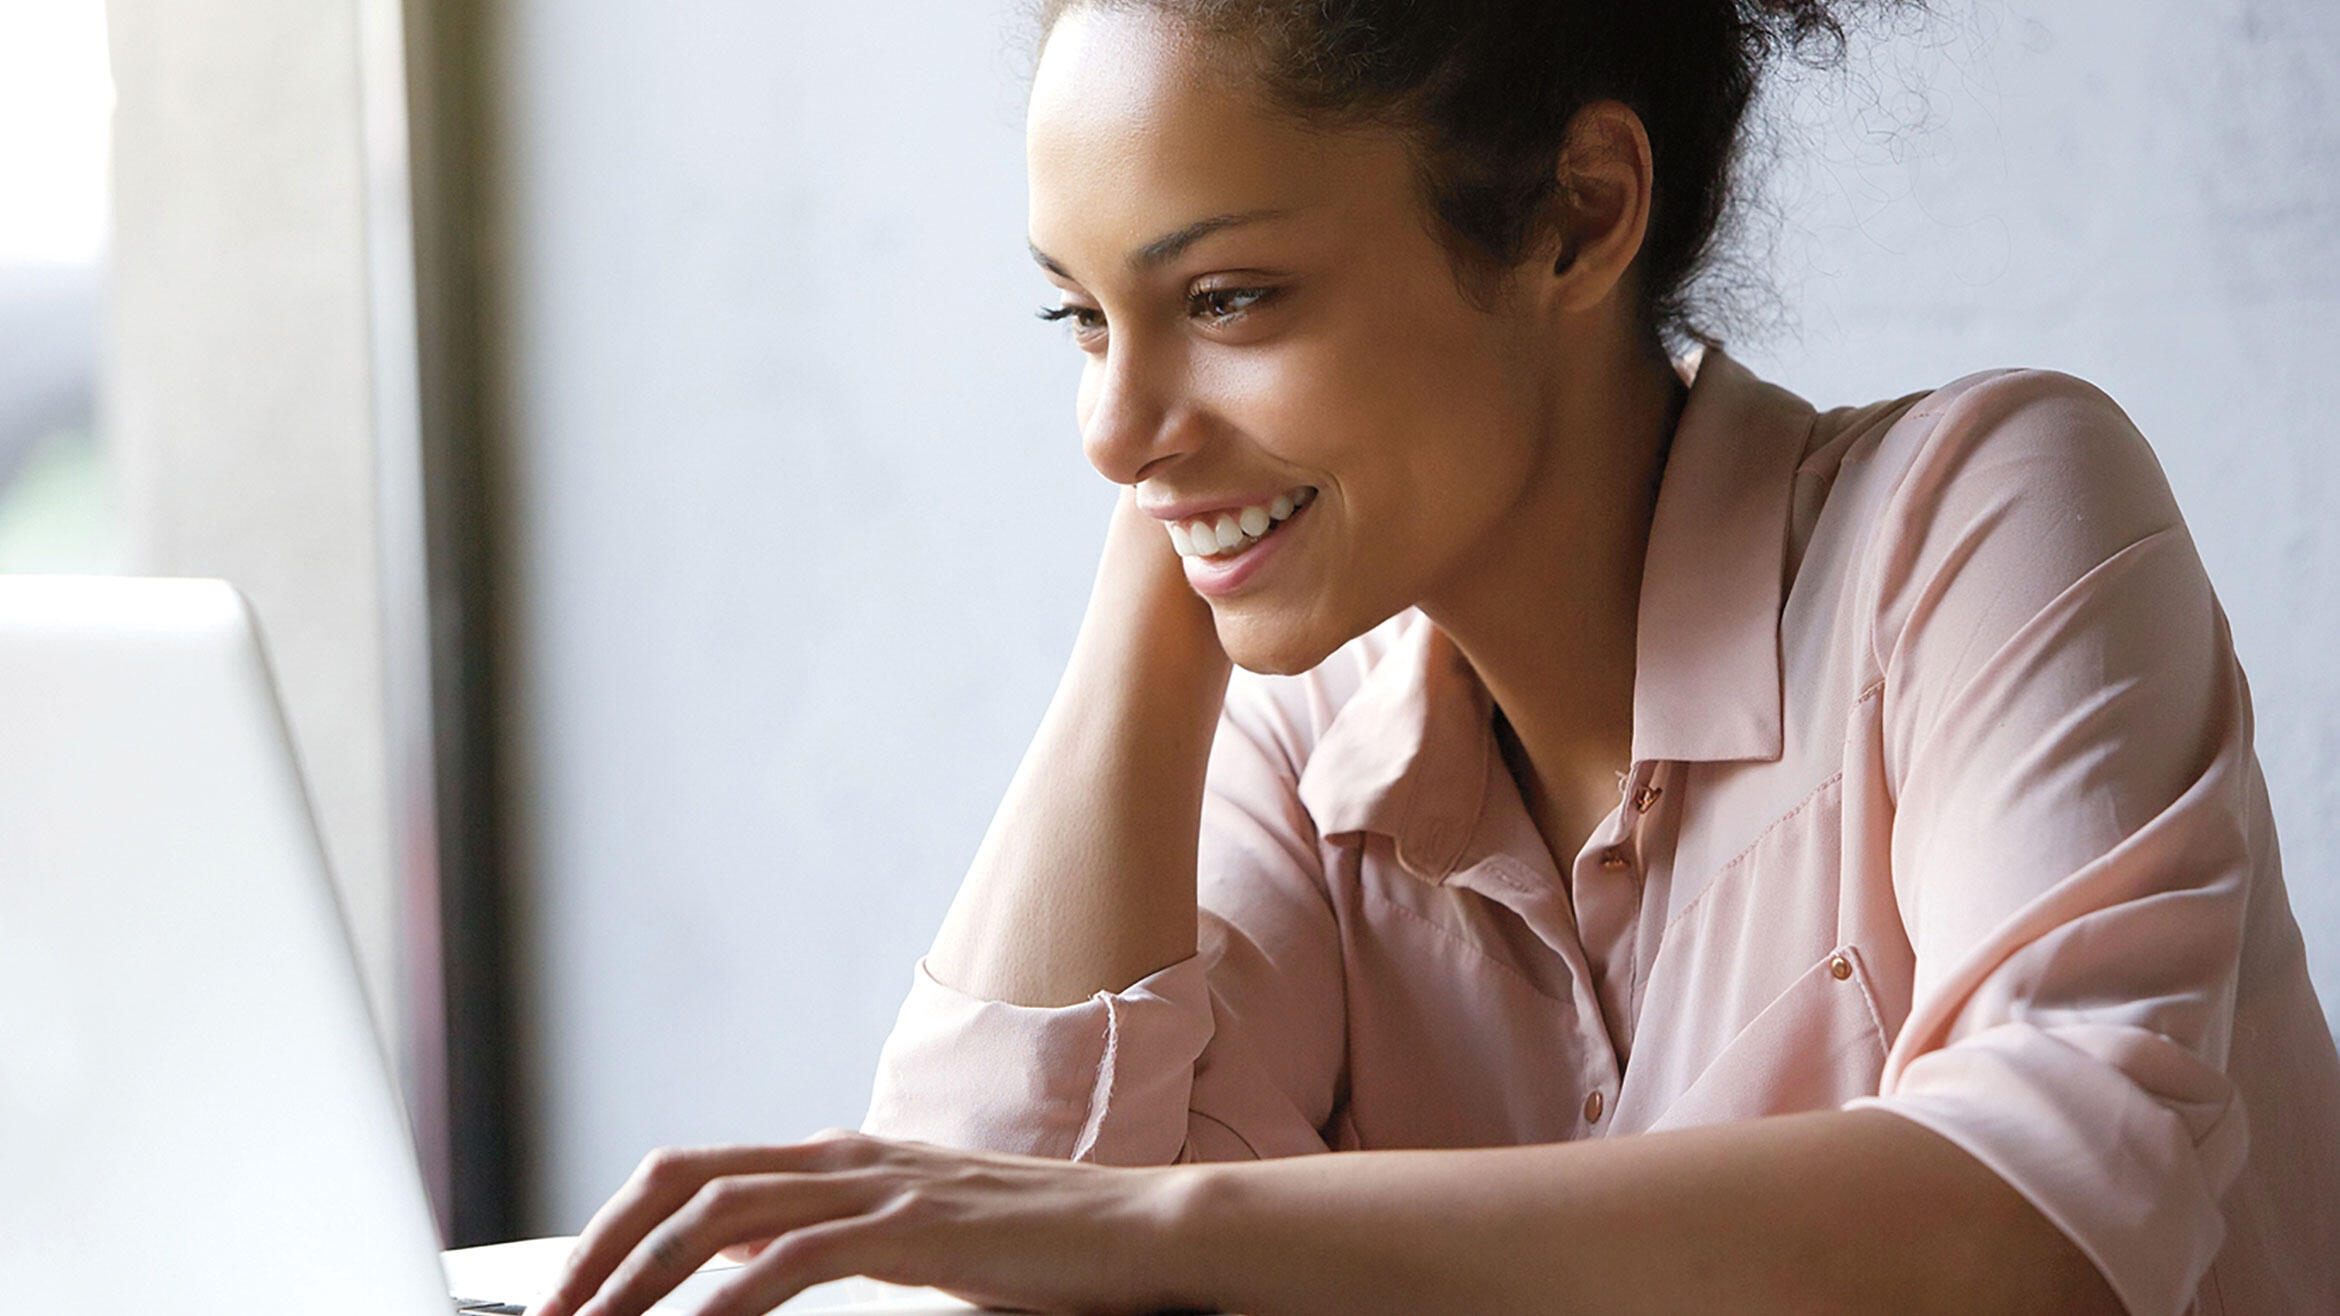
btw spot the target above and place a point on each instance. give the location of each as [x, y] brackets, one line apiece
[1105, 1080]
[2133, 1177]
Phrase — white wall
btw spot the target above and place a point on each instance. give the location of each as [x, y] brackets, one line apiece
[56, 101]
[802, 529]
[801, 538]
[237, 382]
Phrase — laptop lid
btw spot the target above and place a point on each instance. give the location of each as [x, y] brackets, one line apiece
[195, 1112]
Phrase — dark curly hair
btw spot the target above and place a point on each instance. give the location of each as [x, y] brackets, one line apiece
[1486, 90]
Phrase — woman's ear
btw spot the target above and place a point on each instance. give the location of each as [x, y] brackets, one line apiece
[1568, 243]
[1602, 211]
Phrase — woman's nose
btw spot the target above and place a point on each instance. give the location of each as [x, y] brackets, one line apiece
[1132, 419]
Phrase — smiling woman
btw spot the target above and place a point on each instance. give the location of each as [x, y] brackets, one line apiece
[1681, 849]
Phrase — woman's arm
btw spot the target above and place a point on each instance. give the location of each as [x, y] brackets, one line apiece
[1828, 1211]
[1086, 880]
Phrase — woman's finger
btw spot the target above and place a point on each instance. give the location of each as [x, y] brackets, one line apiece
[728, 1210]
[659, 1186]
[743, 1253]
[799, 1259]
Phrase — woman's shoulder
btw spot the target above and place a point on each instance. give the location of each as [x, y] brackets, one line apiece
[2020, 481]
[1985, 423]
[2040, 449]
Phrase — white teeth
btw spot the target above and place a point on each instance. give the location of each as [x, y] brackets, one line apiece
[1240, 528]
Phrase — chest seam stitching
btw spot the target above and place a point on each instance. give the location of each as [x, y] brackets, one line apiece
[1458, 939]
[1724, 869]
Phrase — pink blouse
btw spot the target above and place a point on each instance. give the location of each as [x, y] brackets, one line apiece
[1942, 801]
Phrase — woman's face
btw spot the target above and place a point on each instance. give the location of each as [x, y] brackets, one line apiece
[1269, 320]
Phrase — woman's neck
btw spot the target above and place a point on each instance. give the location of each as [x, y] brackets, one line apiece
[1546, 613]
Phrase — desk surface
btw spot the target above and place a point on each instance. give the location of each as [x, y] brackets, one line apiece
[521, 1272]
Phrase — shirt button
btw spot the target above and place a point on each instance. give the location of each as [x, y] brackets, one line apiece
[1646, 797]
[1612, 858]
[1839, 967]
[1592, 1109]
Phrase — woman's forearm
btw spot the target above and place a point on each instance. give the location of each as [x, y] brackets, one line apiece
[1831, 1211]
[1086, 880]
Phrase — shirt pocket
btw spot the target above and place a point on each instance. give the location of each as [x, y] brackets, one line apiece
[1817, 1045]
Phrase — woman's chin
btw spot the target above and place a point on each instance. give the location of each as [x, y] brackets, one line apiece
[1275, 646]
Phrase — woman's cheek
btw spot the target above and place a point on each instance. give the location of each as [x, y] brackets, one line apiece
[1295, 395]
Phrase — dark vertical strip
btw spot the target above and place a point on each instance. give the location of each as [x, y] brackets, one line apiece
[451, 120]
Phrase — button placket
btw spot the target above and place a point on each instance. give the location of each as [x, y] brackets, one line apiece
[1640, 793]
[1607, 894]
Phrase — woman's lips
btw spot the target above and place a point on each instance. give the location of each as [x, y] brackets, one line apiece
[1232, 531]
[1219, 574]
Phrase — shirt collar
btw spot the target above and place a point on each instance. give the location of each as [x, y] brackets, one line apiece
[1706, 681]
[1412, 755]
[1409, 755]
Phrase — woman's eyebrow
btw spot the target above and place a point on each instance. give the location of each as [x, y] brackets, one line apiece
[1166, 248]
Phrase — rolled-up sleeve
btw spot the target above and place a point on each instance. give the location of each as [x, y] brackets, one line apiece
[1231, 1053]
[2076, 829]
[1076, 1082]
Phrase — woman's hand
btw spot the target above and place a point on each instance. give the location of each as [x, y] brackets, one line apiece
[1007, 1231]
[1086, 880]
[1141, 589]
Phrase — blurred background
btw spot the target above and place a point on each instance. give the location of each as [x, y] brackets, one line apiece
[668, 519]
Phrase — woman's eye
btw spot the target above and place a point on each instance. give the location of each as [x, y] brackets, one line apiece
[1086, 320]
[1225, 303]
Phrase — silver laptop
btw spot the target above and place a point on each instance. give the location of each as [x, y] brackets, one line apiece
[195, 1113]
